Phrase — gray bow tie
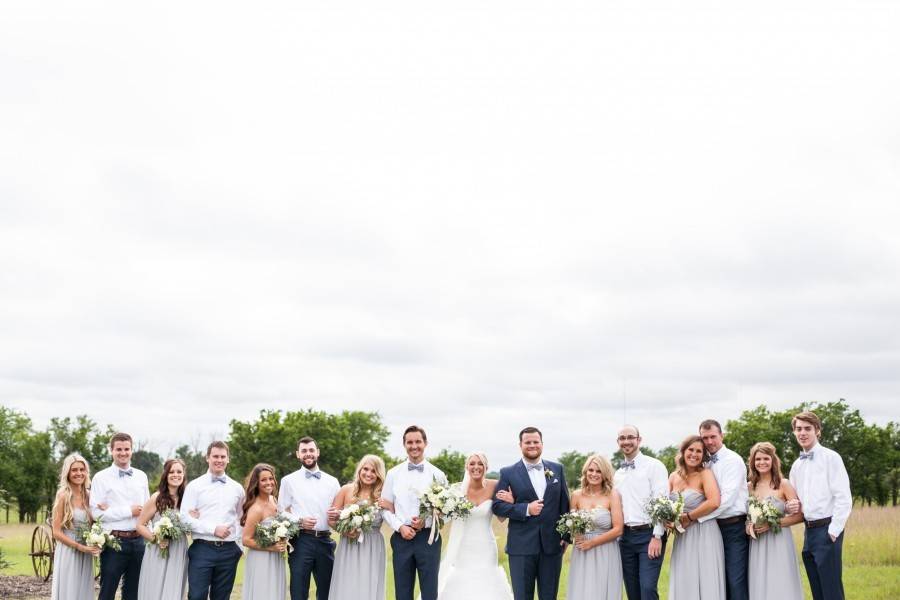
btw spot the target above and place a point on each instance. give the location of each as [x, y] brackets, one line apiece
[419, 467]
[628, 464]
[126, 472]
[805, 455]
[713, 459]
[316, 474]
[219, 479]
[537, 467]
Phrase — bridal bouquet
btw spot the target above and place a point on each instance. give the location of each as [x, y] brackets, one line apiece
[168, 528]
[443, 503]
[577, 522]
[357, 517]
[665, 510]
[98, 537]
[761, 513]
[274, 530]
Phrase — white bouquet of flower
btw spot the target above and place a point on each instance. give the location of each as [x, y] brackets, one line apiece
[443, 503]
[358, 517]
[279, 528]
[761, 513]
[577, 522]
[664, 509]
[168, 528]
[97, 536]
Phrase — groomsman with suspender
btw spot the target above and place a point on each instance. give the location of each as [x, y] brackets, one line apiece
[309, 494]
[638, 479]
[823, 488]
[730, 472]
[118, 493]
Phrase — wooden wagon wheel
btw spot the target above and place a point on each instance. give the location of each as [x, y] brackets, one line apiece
[42, 547]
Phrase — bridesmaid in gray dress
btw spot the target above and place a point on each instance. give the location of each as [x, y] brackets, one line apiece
[164, 578]
[359, 567]
[697, 569]
[73, 573]
[773, 571]
[265, 572]
[595, 570]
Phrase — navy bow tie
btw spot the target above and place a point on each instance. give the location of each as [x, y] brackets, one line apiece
[316, 474]
[419, 467]
[805, 455]
[537, 467]
[628, 464]
[126, 472]
[215, 479]
[713, 459]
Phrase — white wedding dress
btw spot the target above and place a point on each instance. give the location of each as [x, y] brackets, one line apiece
[469, 569]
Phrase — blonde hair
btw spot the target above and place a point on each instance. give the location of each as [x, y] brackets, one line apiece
[65, 493]
[681, 466]
[606, 471]
[753, 475]
[378, 465]
[480, 456]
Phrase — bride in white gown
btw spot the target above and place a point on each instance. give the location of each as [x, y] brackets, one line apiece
[469, 568]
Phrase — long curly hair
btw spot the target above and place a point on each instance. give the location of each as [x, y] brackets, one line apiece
[378, 464]
[754, 475]
[65, 494]
[251, 487]
[165, 500]
[681, 466]
[606, 471]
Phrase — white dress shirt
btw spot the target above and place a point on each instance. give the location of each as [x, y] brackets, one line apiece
[823, 487]
[730, 471]
[648, 479]
[308, 496]
[218, 504]
[119, 494]
[401, 486]
[537, 477]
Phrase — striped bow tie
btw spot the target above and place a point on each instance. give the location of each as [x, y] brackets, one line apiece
[126, 472]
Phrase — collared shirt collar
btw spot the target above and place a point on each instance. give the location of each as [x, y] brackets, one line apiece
[316, 470]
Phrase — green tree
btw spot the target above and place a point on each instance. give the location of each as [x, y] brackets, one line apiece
[25, 468]
[83, 436]
[150, 463]
[572, 461]
[194, 460]
[451, 462]
[342, 438]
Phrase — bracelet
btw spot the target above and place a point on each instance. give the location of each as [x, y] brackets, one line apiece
[690, 518]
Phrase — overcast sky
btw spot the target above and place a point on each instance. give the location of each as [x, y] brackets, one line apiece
[475, 216]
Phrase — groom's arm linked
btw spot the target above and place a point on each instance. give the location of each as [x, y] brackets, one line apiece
[515, 512]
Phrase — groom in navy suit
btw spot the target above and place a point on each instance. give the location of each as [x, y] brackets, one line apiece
[535, 549]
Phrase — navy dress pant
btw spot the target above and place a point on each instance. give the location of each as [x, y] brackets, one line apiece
[640, 572]
[737, 559]
[121, 565]
[211, 569]
[525, 569]
[412, 557]
[312, 557]
[822, 559]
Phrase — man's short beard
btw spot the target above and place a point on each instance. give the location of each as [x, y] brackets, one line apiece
[313, 465]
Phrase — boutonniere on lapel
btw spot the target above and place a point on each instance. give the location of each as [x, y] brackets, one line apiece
[548, 474]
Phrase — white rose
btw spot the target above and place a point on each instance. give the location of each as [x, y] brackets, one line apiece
[357, 521]
[281, 531]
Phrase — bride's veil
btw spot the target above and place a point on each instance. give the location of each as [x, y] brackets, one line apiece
[455, 543]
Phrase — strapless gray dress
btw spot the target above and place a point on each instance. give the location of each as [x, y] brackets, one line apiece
[697, 569]
[73, 570]
[265, 574]
[773, 569]
[596, 574]
[163, 578]
[359, 567]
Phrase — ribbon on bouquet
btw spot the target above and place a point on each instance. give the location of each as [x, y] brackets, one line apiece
[435, 526]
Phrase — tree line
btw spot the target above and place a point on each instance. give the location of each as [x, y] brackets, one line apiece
[30, 458]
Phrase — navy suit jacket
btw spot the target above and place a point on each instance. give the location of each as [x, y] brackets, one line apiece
[532, 535]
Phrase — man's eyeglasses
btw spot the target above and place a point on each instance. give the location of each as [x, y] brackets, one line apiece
[627, 438]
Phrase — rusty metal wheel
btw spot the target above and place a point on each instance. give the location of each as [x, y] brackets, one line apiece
[42, 546]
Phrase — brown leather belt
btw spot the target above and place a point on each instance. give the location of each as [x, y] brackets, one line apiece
[818, 523]
[125, 535]
[732, 520]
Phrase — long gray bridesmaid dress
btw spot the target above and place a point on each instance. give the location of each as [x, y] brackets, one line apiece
[73, 570]
[359, 567]
[596, 574]
[265, 574]
[773, 569]
[164, 578]
[697, 570]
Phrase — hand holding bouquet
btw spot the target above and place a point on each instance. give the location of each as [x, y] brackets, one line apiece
[762, 515]
[575, 523]
[443, 503]
[168, 528]
[273, 531]
[667, 511]
[355, 520]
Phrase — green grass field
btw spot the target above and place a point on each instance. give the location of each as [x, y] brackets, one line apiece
[871, 555]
